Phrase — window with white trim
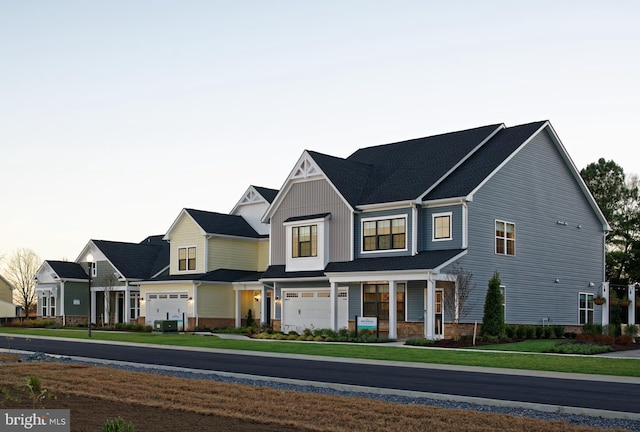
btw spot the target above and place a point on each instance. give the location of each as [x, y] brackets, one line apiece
[441, 226]
[585, 308]
[43, 305]
[134, 305]
[52, 306]
[384, 234]
[304, 241]
[375, 301]
[187, 258]
[505, 238]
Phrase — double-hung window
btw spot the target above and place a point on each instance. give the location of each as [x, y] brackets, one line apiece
[186, 258]
[44, 305]
[505, 238]
[304, 241]
[585, 308]
[384, 234]
[441, 226]
[375, 301]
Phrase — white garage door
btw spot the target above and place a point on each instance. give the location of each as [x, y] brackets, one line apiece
[162, 305]
[311, 309]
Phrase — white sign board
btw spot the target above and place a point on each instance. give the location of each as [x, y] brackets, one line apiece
[367, 323]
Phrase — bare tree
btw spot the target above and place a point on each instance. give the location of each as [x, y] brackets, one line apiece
[456, 298]
[21, 272]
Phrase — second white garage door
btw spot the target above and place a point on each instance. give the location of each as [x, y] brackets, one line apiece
[162, 305]
[311, 309]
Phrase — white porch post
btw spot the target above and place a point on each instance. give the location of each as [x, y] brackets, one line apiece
[105, 306]
[393, 311]
[334, 306]
[605, 307]
[238, 307]
[127, 305]
[263, 305]
[93, 306]
[61, 305]
[429, 317]
[631, 295]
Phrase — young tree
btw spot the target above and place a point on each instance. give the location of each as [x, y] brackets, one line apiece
[493, 318]
[456, 298]
[21, 272]
[109, 282]
[619, 199]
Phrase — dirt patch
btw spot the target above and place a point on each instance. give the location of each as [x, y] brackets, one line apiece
[158, 403]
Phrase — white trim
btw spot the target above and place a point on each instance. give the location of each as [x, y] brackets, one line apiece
[414, 230]
[593, 309]
[462, 160]
[187, 269]
[177, 221]
[250, 196]
[495, 237]
[465, 225]
[394, 205]
[433, 226]
[390, 218]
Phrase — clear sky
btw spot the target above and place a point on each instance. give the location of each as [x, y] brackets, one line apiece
[115, 115]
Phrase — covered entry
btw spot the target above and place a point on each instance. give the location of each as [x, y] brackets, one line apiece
[311, 309]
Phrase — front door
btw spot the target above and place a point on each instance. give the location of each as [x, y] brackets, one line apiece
[439, 324]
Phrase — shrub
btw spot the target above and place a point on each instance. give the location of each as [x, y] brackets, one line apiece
[631, 330]
[521, 332]
[511, 331]
[530, 332]
[570, 335]
[493, 317]
[117, 425]
[539, 332]
[307, 332]
[547, 332]
[343, 332]
[604, 339]
[592, 329]
[558, 331]
[572, 347]
[624, 339]
[418, 342]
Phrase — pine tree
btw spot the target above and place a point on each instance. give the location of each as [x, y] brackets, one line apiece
[493, 318]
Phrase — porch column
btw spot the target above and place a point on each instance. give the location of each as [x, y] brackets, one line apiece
[334, 306]
[393, 311]
[263, 305]
[605, 307]
[429, 313]
[631, 295]
[238, 307]
[106, 314]
[93, 306]
[127, 306]
[61, 305]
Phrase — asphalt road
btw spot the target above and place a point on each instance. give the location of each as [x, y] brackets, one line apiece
[601, 395]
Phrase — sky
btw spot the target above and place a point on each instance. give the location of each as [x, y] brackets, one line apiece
[116, 115]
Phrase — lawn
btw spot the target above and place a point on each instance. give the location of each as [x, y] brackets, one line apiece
[485, 357]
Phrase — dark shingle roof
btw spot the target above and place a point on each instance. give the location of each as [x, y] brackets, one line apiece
[136, 260]
[220, 275]
[279, 272]
[424, 260]
[224, 224]
[68, 270]
[268, 194]
[482, 163]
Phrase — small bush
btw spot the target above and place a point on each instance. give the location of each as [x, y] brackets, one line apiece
[572, 347]
[604, 339]
[547, 332]
[570, 335]
[117, 425]
[624, 339]
[521, 331]
[558, 331]
[592, 329]
[539, 332]
[530, 332]
[419, 342]
[631, 330]
[307, 332]
[511, 331]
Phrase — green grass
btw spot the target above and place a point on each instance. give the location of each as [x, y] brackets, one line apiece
[484, 357]
[528, 345]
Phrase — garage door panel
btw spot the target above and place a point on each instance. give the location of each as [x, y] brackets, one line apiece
[311, 310]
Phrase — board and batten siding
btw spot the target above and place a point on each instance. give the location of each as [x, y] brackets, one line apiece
[309, 198]
[216, 301]
[105, 276]
[187, 234]
[391, 214]
[425, 228]
[553, 261]
[75, 291]
[233, 254]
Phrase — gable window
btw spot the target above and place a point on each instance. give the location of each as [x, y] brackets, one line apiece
[375, 301]
[442, 226]
[187, 258]
[585, 308]
[304, 241]
[505, 238]
[94, 269]
[384, 234]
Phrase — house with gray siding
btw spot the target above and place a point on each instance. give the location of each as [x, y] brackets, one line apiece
[383, 232]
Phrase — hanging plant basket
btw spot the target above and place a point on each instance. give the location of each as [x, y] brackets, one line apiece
[614, 302]
[599, 300]
[624, 303]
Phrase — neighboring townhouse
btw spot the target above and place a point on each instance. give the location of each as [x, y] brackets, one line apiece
[116, 268]
[8, 309]
[379, 233]
[216, 261]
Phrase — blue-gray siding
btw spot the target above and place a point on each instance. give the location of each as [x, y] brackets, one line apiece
[425, 234]
[535, 190]
[377, 214]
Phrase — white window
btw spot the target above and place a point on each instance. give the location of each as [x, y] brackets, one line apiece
[441, 226]
[384, 234]
[187, 258]
[43, 305]
[52, 306]
[134, 305]
[304, 241]
[585, 308]
[307, 242]
[505, 238]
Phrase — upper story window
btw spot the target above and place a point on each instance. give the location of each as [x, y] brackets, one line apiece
[94, 269]
[384, 234]
[186, 258]
[442, 226]
[304, 241]
[505, 238]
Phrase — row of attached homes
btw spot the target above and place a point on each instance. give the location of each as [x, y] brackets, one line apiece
[377, 234]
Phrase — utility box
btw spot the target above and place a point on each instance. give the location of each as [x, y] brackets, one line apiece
[165, 326]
